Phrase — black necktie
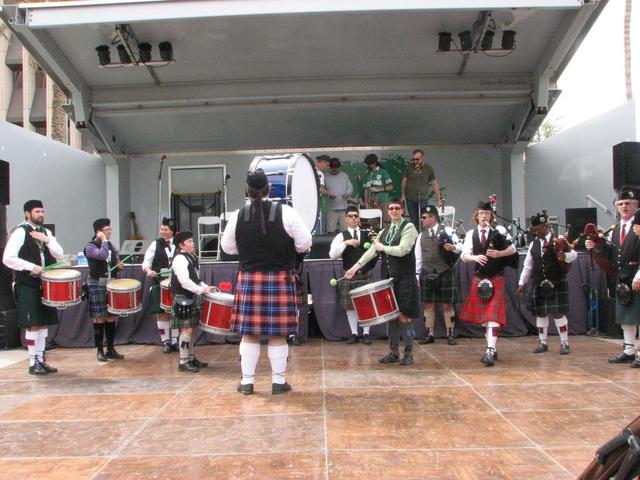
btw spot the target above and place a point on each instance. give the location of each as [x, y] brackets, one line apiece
[355, 235]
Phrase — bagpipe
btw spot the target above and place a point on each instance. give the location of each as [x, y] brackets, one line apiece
[601, 252]
[561, 246]
[443, 239]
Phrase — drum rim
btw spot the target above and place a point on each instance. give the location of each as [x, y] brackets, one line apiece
[163, 284]
[124, 290]
[214, 330]
[387, 317]
[227, 300]
[76, 274]
[368, 288]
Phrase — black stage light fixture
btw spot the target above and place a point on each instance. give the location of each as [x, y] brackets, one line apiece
[104, 54]
[444, 41]
[123, 54]
[145, 52]
[487, 40]
[508, 39]
[166, 51]
[465, 40]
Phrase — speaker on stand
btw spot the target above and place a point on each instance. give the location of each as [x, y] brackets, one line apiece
[626, 166]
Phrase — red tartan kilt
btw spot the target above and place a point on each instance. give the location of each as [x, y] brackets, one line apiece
[476, 310]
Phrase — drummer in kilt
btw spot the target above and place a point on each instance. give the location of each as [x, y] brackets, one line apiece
[349, 245]
[29, 249]
[395, 244]
[548, 292]
[485, 305]
[102, 257]
[266, 237]
[157, 258]
[437, 251]
[187, 287]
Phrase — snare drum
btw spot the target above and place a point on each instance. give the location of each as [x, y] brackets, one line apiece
[166, 296]
[123, 296]
[375, 303]
[60, 288]
[216, 313]
[293, 182]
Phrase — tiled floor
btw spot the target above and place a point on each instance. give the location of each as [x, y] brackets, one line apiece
[446, 417]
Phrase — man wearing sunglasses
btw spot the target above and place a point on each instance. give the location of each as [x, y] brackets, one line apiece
[417, 178]
[395, 245]
[349, 245]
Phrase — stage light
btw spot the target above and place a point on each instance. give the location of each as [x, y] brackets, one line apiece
[444, 41]
[508, 40]
[166, 51]
[104, 54]
[123, 54]
[144, 50]
[487, 40]
[465, 40]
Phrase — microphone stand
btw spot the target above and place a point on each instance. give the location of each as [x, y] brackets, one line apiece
[162, 158]
[521, 232]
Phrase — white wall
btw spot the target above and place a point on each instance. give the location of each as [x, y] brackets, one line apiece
[70, 182]
[561, 170]
[469, 173]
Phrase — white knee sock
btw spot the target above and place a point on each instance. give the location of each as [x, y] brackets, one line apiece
[278, 357]
[562, 324]
[543, 328]
[365, 330]
[629, 332]
[185, 346]
[429, 320]
[249, 356]
[352, 317]
[31, 336]
[491, 334]
[164, 327]
[175, 335]
[192, 350]
[41, 343]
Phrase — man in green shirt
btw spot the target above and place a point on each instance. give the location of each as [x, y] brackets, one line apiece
[377, 185]
[415, 186]
[322, 163]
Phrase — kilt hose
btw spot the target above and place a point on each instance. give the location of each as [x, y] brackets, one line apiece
[265, 303]
[31, 311]
[345, 286]
[476, 310]
[445, 289]
[557, 303]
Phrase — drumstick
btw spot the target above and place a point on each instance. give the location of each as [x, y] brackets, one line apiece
[54, 265]
[333, 282]
[164, 272]
[121, 262]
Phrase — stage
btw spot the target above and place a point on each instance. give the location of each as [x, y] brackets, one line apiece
[531, 416]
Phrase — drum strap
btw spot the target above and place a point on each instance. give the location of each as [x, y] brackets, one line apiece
[246, 212]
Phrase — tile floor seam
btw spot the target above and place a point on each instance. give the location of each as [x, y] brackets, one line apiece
[324, 413]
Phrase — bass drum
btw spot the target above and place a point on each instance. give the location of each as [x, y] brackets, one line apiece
[294, 182]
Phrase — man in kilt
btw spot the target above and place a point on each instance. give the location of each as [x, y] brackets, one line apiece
[395, 244]
[187, 287]
[437, 250]
[624, 251]
[266, 237]
[29, 249]
[349, 245]
[102, 257]
[548, 290]
[157, 258]
[485, 304]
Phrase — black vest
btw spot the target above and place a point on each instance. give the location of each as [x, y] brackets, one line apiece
[160, 260]
[626, 258]
[193, 268]
[100, 268]
[273, 252]
[30, 251]
[393, 266]
[545, 266]
[495, 240]
[350, 255]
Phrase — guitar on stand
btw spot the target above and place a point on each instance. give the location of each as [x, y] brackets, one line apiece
[134, 227]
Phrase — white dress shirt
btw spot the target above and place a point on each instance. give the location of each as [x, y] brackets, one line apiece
[528, 262]
[338, 246]
[180, 268]
[467, 249]
[151, 253]
[16, 240]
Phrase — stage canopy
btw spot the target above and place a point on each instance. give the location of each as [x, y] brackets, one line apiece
[266, 74]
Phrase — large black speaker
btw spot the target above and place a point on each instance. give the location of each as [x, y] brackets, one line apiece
[577, 218]
[321, 246]
[626, 165]
[4, 183]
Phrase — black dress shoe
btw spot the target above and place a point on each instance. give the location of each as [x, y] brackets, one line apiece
[366, 339]
[175, 347]
[390, 358]
[245, 389]
[280, 388]
[426, 340]
[541, 348]
[296, 342]
[564, 349]
[38, 369]
[188, 367]
[198, 363]
[166, 347]
[622, 358]
[352, 339]
[636, 362]
[48, 367]
[113, 355]
[488, 359]
[451, 340]
[101, 356]
[407, 359]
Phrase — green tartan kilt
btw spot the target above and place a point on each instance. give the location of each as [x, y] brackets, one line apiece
[154, 304]
[31, 311]
[629, 314]
[445, 291]
[190, 321]
[345, 286]
[542, 306]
